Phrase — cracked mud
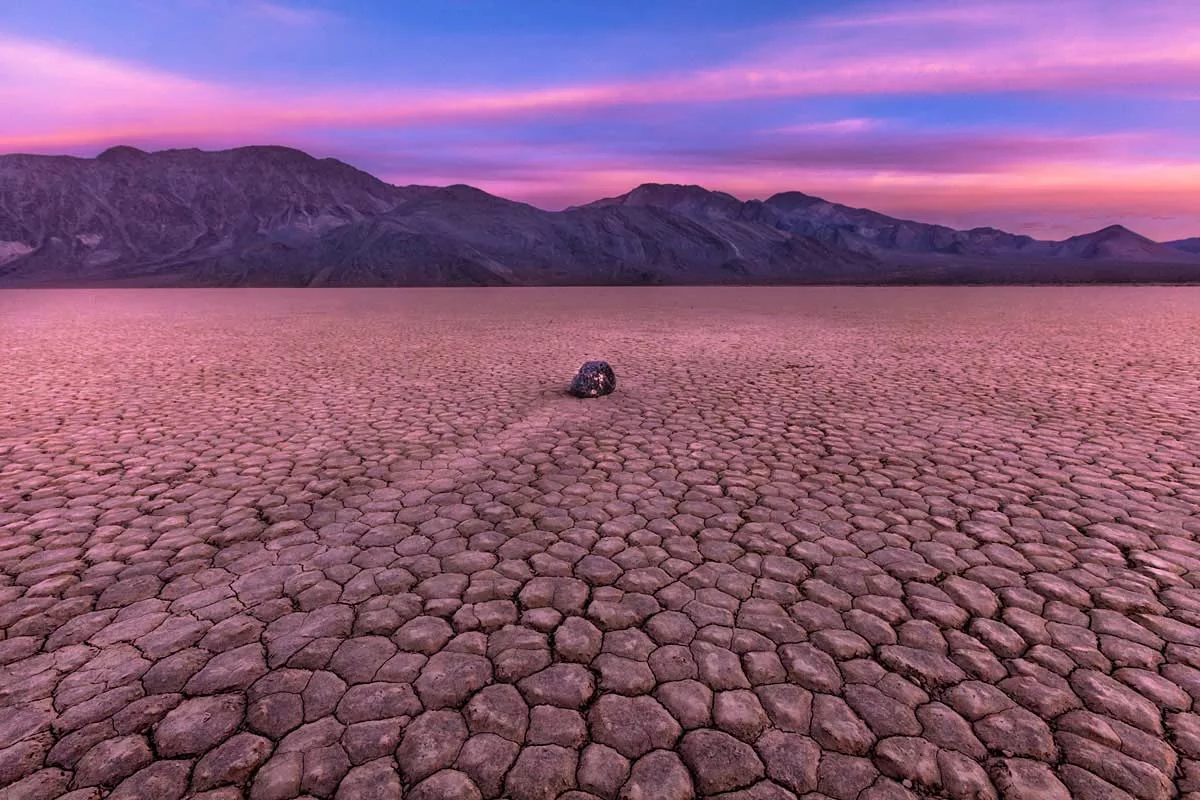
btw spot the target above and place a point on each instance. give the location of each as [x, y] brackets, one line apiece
[859, 544]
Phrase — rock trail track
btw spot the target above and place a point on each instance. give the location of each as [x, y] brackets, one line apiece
[829, 544]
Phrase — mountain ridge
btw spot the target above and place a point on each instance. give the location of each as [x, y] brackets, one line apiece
[269, 215]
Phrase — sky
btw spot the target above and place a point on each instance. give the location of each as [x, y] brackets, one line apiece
[1045, 117]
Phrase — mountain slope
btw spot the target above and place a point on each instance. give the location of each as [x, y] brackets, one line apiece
[460, 236]
[273, 216]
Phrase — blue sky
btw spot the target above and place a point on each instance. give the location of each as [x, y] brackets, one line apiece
[966, 113]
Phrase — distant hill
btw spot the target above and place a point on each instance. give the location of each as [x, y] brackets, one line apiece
[1188, 245]
[1116, 243]
[856, 229]
[869, 232]
[274, 216]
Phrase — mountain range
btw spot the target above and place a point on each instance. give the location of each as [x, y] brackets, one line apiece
[275, 216]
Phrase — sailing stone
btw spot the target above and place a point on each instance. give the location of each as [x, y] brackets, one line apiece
[595, 378]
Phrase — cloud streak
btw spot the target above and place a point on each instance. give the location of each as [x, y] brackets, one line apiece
[909, 151]
[293, 16]
[1140, 47]
[44, 85]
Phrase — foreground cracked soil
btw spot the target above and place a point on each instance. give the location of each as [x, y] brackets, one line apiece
[821, 543]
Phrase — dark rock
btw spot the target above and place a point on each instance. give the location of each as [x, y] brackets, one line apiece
[595, 378]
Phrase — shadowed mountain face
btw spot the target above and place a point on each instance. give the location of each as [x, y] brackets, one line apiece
[130, 214]
[273, 216]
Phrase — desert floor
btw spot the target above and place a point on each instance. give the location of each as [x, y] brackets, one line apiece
[821, 543]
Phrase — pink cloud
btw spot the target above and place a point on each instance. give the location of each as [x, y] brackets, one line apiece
[879, 153]
[294, 16]
[911, 151]
[942, 45]
[849, 125]
[931, 14]
[1146, 47]
[43, 86]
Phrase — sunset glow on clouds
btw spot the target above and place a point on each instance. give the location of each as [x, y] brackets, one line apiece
[995, 112]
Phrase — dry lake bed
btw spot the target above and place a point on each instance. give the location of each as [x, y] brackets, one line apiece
[850, 543]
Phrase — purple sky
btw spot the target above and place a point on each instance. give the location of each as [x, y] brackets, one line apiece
[1043, 118]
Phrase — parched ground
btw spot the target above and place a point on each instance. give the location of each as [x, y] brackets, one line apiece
[821, 543]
